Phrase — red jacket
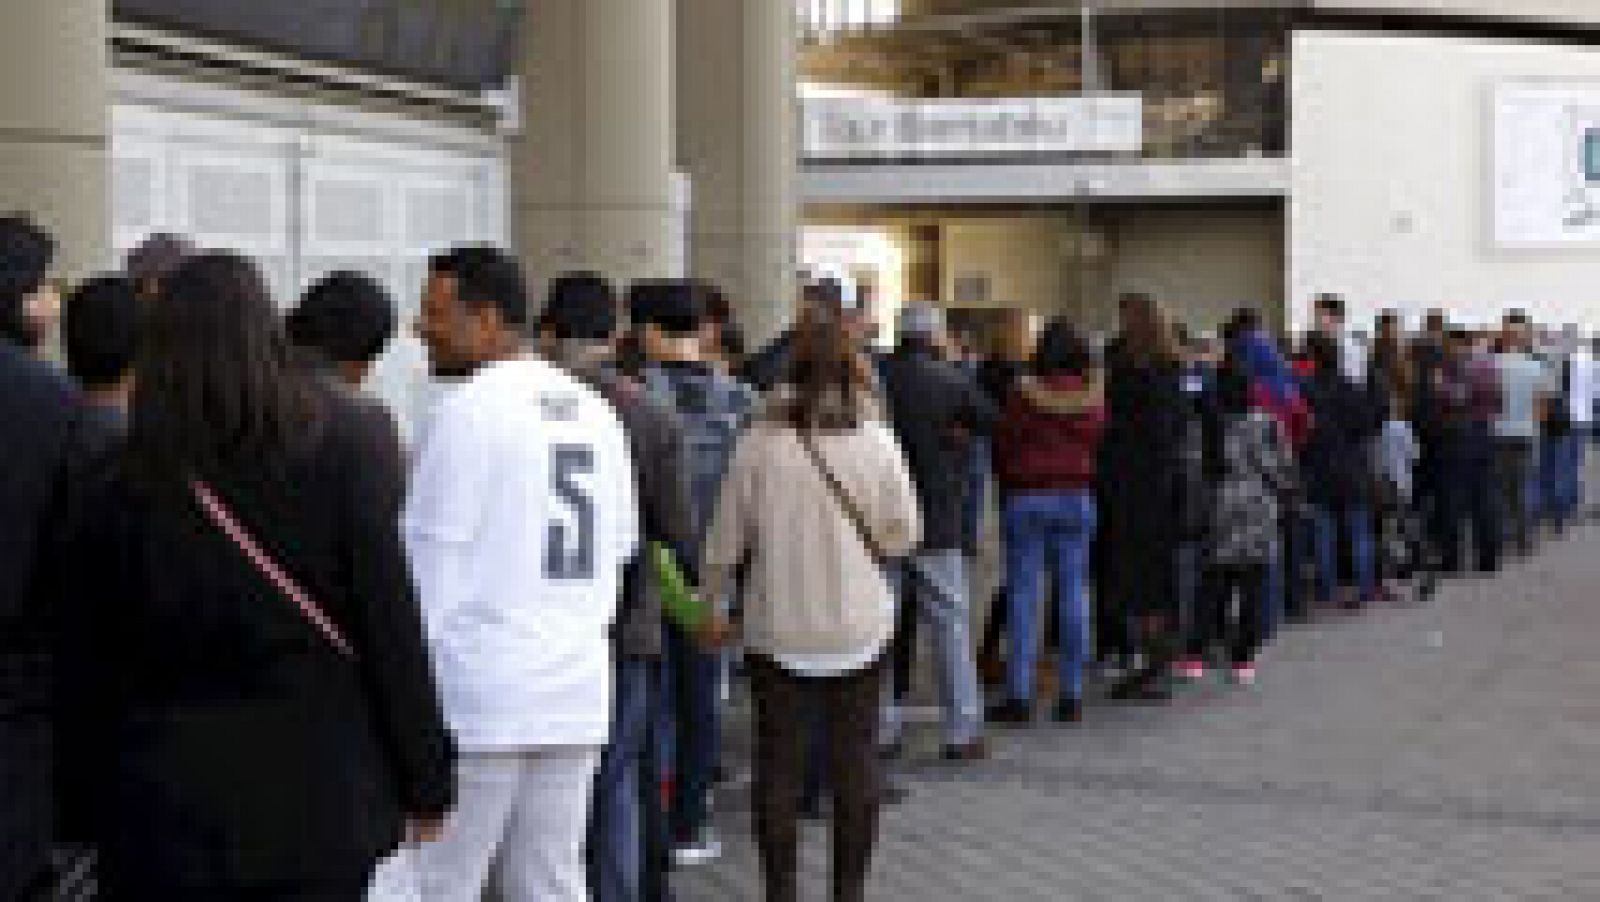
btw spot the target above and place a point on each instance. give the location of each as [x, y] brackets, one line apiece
[1048, 439]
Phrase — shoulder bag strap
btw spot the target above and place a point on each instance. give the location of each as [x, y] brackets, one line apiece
[842, 497]
[218, 514]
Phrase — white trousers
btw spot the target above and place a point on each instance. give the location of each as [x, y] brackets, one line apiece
[518, 830]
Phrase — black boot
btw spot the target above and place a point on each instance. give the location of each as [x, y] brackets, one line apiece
[1152, 683]
[1010, 712]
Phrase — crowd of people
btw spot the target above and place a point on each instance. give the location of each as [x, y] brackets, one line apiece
[253, 648]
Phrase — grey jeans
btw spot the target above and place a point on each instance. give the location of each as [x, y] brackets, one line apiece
[1513, 477]
[938, 587]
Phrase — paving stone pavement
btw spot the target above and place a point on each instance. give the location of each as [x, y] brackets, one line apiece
[1442, 751]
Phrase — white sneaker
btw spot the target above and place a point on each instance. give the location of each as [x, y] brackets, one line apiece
[1244, 674]
[704, 850]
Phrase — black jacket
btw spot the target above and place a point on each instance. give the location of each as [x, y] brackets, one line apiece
[998, 377]
[46, 432]
[1146, 489]
[214, 735]
[1336, 459]
[768, 367]
[936, 409]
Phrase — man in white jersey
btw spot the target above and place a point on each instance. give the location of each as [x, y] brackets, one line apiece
[520, 520]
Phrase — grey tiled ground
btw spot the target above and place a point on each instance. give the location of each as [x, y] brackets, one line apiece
[1448, 751]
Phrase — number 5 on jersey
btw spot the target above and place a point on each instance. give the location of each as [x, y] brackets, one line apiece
[569, 541]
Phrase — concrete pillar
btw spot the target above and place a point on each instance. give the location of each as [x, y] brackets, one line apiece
[54, 122]
[737, 142]
[925, 263]
[592, 182]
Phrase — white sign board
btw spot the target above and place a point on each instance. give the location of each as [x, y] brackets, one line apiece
[857, 127]
[1547, 165]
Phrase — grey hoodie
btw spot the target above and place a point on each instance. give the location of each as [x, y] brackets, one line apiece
[666, 502]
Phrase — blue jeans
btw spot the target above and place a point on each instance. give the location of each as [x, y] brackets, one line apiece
[1561, 477]
[1048, 529]
[1356, 521]
[692, 730]
[937, 582]
[616, 827]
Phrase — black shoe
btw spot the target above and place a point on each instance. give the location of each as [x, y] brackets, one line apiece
[1069, 710]
[967, 753]
[1145, 686]
[1010, 712]
[891, 792]
[892, 751]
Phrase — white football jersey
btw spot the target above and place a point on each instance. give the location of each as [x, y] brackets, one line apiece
[520, 520]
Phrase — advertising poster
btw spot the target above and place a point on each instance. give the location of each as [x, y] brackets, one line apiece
[1547, 165]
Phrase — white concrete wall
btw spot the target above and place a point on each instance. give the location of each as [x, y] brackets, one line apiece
[1560, 11]
[1393, 191]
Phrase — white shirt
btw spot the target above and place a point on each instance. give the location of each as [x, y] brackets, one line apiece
[1524, 380]
[1354, 354]
[520, 519]
[1581, 387]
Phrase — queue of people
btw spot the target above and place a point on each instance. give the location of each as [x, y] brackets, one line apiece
[255, 648]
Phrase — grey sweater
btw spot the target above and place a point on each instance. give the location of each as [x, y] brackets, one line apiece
[666, 502]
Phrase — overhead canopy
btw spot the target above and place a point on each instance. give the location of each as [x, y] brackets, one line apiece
[464, 44]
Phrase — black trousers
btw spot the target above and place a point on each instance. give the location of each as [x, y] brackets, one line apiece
[787, 706]
[1459, 476]
[1228, 612]
[903, 650]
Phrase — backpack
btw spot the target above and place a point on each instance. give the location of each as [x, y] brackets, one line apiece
[714, 409]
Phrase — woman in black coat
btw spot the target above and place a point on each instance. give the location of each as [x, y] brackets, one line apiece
[1142, 490]
[219, 741]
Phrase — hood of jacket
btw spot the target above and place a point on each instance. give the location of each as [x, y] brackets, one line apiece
[1063, 395]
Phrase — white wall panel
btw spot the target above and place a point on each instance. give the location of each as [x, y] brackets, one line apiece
[305, 198]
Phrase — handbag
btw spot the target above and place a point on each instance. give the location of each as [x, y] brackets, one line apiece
[219, 514]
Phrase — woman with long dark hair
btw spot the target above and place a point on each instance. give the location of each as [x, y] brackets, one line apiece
[818, 501]
[1142, 473]
[1046, 448]
[251, 711]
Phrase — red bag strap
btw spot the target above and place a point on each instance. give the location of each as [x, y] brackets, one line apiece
[224, 519]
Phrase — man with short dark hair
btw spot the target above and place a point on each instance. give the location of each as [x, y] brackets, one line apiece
[520, 523]
[937, 410]
[1525, 386]
[579, 330]
[347, 320]
[30, 303]
[669, 318]
[1457, 406]
[46, 427]
[100, 335]
[1330, 320]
